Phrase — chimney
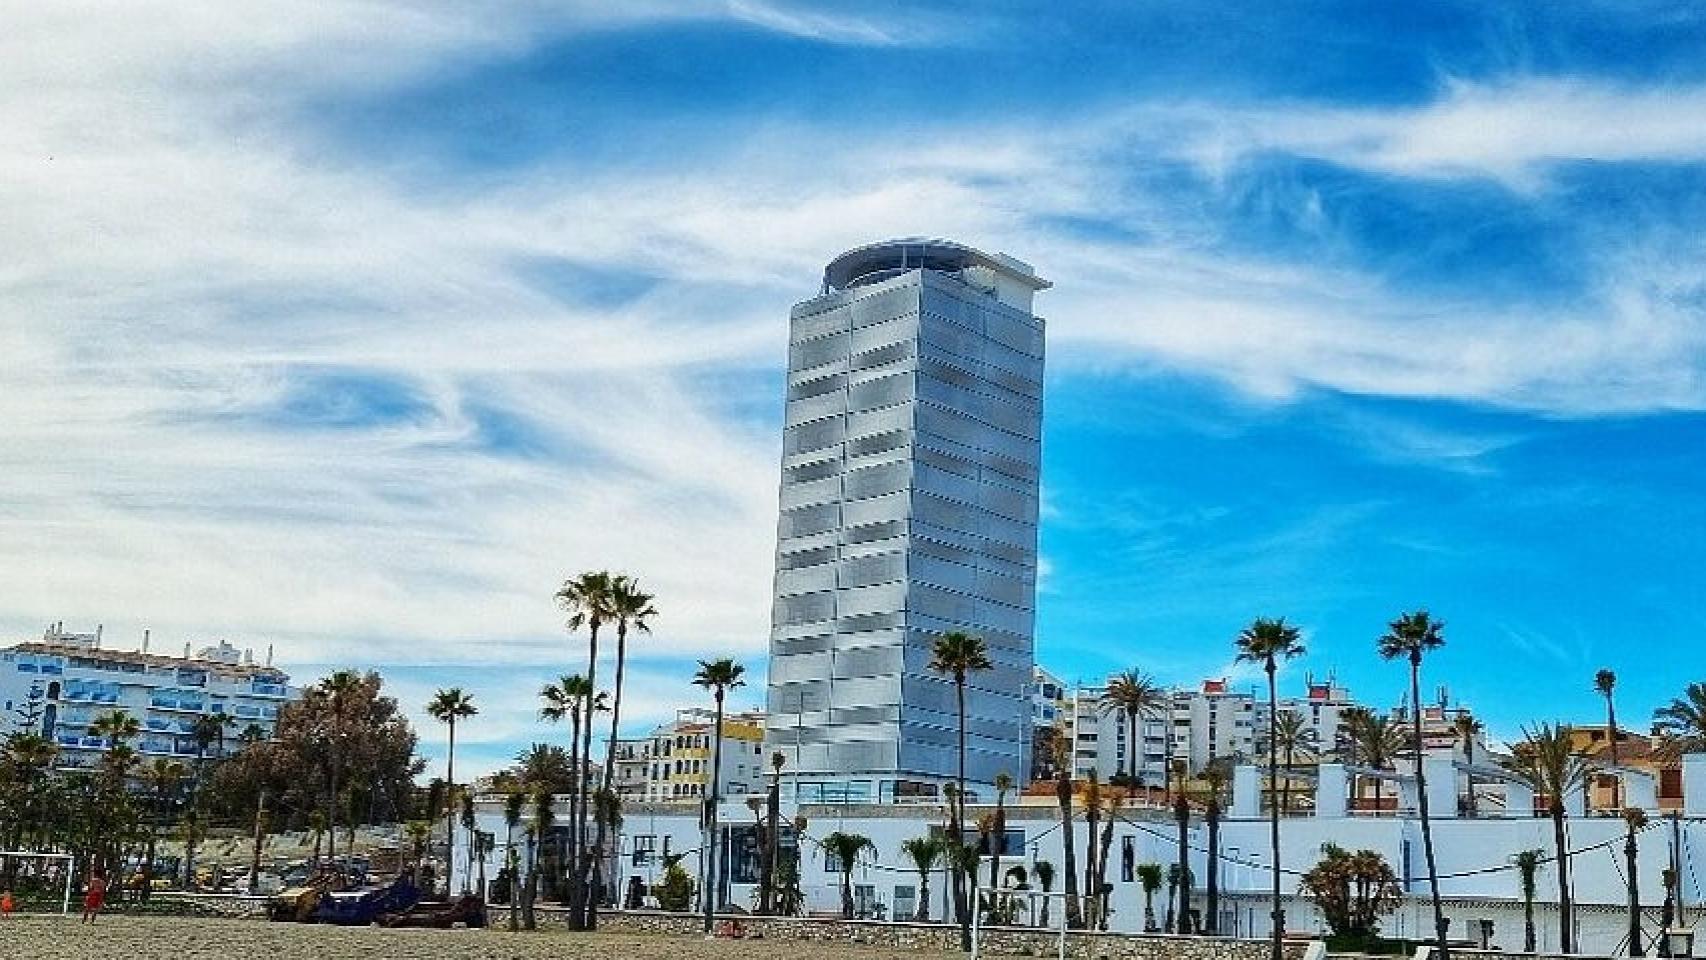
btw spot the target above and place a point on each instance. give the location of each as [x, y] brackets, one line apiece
[269, 654]
[186, 649]
[145, 634]
[100, 628]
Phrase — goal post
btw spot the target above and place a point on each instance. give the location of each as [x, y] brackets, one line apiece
[977, 928]
[69, 865]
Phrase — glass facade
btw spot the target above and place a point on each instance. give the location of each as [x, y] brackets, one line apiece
[908, 509]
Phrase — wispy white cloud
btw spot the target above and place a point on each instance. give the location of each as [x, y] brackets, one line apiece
[181, 248]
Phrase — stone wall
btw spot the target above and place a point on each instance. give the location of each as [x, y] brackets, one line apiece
[999, 941]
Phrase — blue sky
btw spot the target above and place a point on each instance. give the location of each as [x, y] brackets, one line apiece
[352, 328]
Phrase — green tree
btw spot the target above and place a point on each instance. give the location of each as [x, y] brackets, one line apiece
[719, 677]
[957, 655]
[1408, 638]
[1266, 642]
[1681, 724]
[1136, 697]
[1295, 736]
[675, 893]
[1527, 867]
[164, 779]
[1549, 764]
[924, 852]
[449, 707]
[1149, 876]
[847, 849]
[1352, 890]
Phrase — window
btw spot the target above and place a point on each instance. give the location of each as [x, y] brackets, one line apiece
[1128, 858]
[644, 846]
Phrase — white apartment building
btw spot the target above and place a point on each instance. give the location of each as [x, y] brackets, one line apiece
[63, 682]
[1211, 722]
[674, 762]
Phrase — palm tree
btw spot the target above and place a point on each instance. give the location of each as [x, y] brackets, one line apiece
[116, 727]
[1136, 696]
[772, 834]
[1548, 763]
[1267, 642]
[587, 600]
[1409, 637]
[631, 609]
[1177, 876]
[1295, 736]
[1682, 722]
[1468, 729]
[847, 848]
[544, 815]
[1068, 830]
[1149, 876]
[208, 731]
[513, 804]
[924, 852]
[957, 654]
[719, 677]
[447, 707]
[1215, 779]
[571, 697]
[998, 832]
[1605, 683]
[1044, 872]
[1634, 821]
[1527, 866]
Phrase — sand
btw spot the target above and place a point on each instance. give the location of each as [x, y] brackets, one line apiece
[181, 938]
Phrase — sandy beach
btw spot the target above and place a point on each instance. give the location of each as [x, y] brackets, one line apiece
[175, 938]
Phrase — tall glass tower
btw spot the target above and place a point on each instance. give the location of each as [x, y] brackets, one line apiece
[908, 509]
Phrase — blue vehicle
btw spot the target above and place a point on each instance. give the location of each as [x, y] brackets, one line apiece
[360, 908]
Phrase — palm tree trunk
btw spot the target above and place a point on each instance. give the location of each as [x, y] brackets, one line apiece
[1278, 939]
[1102, 888]
[709, 897]
[1629, 858]
[1182, 814]
[1611, 744]
[609, 774]
[1422, 807]
[578, 859]
[1565, 941]
[1527, 924]
[1211, 925]
[922, 914]
[1068, 841]
[576, 802]
[450, 812]
[1092, 891]
[846, 892]
[961, 907]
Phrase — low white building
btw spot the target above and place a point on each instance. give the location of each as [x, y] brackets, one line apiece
[1478, 880]
[62, 683]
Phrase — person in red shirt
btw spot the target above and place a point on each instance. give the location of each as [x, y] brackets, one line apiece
[5, 904]
[95, 897]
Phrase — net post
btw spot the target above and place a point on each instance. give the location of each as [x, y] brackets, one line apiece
[70, 872]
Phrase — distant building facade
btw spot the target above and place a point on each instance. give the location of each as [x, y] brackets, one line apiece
[673, 763]
[62, 683]
[909, 496]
